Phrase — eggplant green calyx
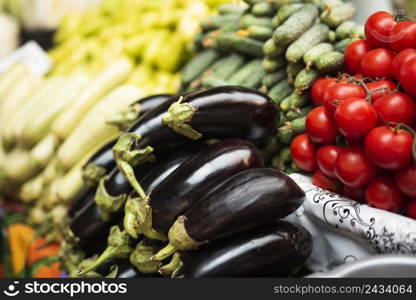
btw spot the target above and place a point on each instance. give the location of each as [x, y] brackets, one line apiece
[113, 272]
[141, 259]
[70, 257]
[176, 117]
[173, 267]
[108, 204]
[127, 159]
[92, 174]
[118, 247]
[126, 117]
[84, 264]
[179, 239]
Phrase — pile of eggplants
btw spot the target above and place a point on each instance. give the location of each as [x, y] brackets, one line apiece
[184, 192]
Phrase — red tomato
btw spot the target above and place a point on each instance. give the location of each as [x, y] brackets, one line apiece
[319, 179]
[343, 90]
[389, 148]
[355, 117]
[303, 153]
[378, 64]
[327, 157]
[378, 28]
[319, 88]
[353, 168]
[381, 88]
[396, 107]
[400, 59]
[354, 53]
[357, 194]
[406, 179]
[383, 193]
[320, 127]
[411, 209]
[403, 36]
[408, 76]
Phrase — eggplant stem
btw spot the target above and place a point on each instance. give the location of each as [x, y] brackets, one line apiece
[108, 204]
[113, 272]
[125, 118]
[176, 117]
[141, 259]
[165, 253]
[92, 174]
[172, 266]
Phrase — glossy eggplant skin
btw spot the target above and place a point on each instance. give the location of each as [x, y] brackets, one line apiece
[249, 199]
[151, 102]
[278, 249]
[197, 176]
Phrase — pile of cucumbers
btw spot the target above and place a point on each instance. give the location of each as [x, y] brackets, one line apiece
[280, 47]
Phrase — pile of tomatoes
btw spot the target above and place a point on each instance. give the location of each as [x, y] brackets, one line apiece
[360, 139]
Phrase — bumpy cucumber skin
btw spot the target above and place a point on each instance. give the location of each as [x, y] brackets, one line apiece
[275, 22]
[345, 29]
[239, 44]
[287, 10]
[263, 9]
[330, 62]
[293, 70]
[272, 79]
[211, 82]
[217, 22]
[230, 8]
[248, 20]
[305, 79]
[279, 3]
[333, 17]
[313, 53]
[323, 4]
[227, 66]
[296, 25]
[246, 71]
[272, 65]
[315, 35]
[343, 44]
[198, 65]
[280, 91]
[297, 100]
[259, 33]
[271, 50]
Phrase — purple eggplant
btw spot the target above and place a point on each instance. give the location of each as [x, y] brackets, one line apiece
[278, 249]
[188, 184]
[247, 200]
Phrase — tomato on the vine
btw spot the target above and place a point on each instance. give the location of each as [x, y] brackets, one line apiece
[401, 58]
[396, 107]
[411, 209]
[319, 88]
[383, 193]
[353, 168]
[403, 36]
[304, 152]
[408, 76]
[378, 28]
[389, 148]
[381, 88]
[327, 157]
[357, 194]
[406, 179]
[378, 64]
[321, 127]
[354, 53]
[344, 90]
[355, 117]
[319, 179]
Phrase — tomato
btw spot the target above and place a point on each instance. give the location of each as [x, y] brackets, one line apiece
[303, 153]
[403, 36]
[354, 53]
[327, 157]
[319, 179]
[406, 179]
[356, 194]
[396, 107]
[408, 76]
[381, 88]
[411, 209]
[344, 90]
[355, 117]
[319, 88]
[378, 64]
[353, 168]
[378, 28]
[320, 127]
[383, 193]
[400, 59]
[389, 148]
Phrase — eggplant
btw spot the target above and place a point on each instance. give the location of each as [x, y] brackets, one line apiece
[218, 113]
[247, 200]
[154, 215]
[279, 249]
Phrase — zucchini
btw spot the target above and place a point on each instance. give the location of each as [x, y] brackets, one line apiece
[345, 30]
[243, 45]
[293, 70]
[263, 9]
[317, 34]
[287, 10]
[273, 65]
[230, 8]
[330, 62]
[296, 25]
[305, 79]
[333, 17]
[256, 32]
[280, 91]
[248, 20]
[226, 66]
[315, 52]
[272, 79]
[271, 50]
[343, 44]
[217, 22]
[198, 65]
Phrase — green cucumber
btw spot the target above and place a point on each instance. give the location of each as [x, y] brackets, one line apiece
[323, 4]
[333, 17]
[315, 35]
[263, 9]
[272, 65]
[299, 125]
[305, 79]
[198, 65]
[315, 52]
[287, 10]
[259, 33]
[280, 91]
[279, 3]
[297, 100]
[295, 113]
[345, 30]
[271, 50]
[343, 44]
[252, 2]
[217, 22]
[285, 104]
[358, 32]
[296, 25]
[293, 70]
[285, 134]
[243, 45]
[255, 78]
[275, 22]
[248, 20]
[330, 62]
[332, 36]
[272, 79]
[245, 71]
[227, 66]
[230, 8]
[213, 81]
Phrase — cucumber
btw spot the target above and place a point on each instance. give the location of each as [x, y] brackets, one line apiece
[323, 4]
[315, 52]
[345, 30]
[263, 9]
[285, 104]
[297, 113]
[242, 45]
[252, 2]
[298, 125]
[332, 36]
[317, 34]
[293, 69]
[285, 134]
[296, 25]
[248, 20]
[212, 81]
[255, 78]
[297, 100]
[217, 22]
[358, 32]
[287, 10]
[306, 78]
[280, 91]
[275, 22]
[259, 33]
[333, 17]
[330, 62]
[271, 50]
[279, 3]
[272, 65]
[198, 65]
[343, 44]
[226, 66]
[272, 79]
[245, 72]
[230, 8]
